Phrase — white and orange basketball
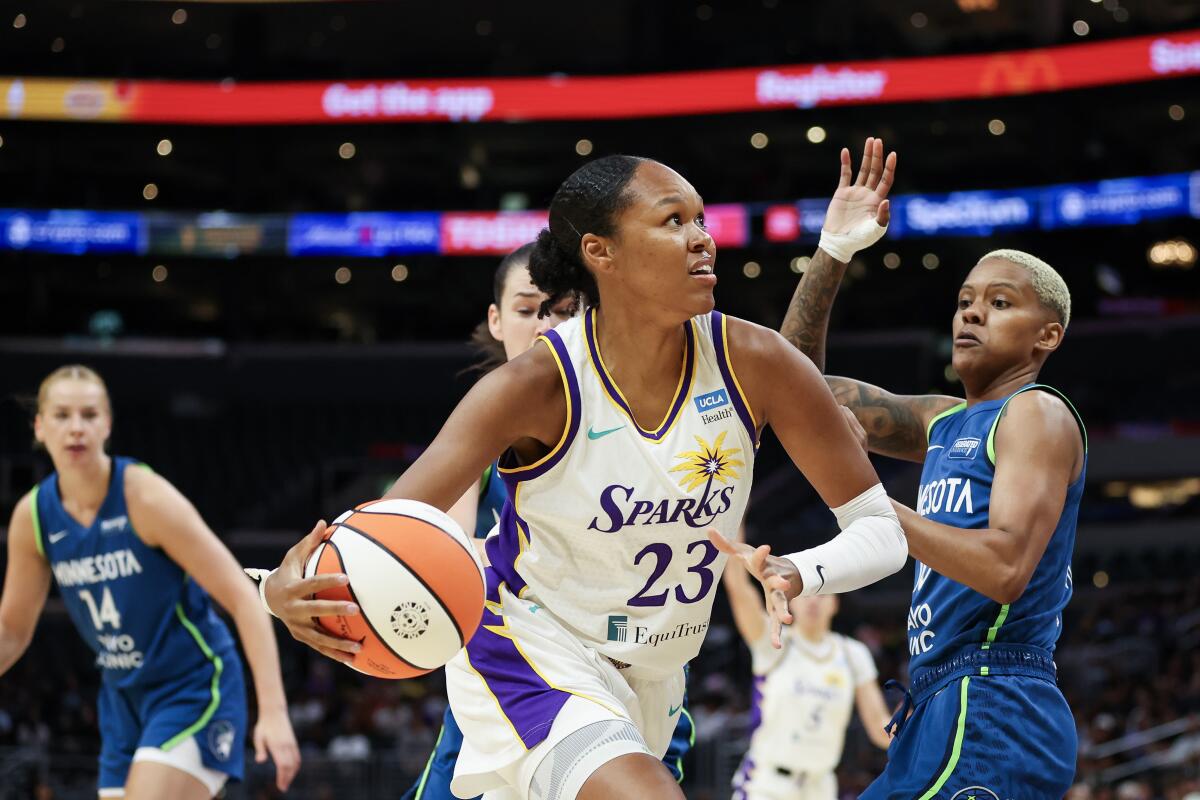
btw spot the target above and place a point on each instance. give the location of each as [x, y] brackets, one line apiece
[417, 581]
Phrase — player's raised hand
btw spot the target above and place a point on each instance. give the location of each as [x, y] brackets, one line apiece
[289, 596]
[779, 578]
[859, 210]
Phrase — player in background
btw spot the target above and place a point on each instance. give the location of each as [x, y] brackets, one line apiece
[512, 326]
[136, 565]
[993, 530]
[803, 695]
[626, 433]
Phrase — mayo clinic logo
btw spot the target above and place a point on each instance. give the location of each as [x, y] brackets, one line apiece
[20, 232]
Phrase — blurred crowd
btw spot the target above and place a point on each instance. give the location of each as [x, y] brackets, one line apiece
[1129, 664]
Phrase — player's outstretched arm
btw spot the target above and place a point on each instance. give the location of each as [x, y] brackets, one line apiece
[26, 584]
[858, 214]
[519, 405]
[164, 518]
[785, 390]
[1039, 452]
[857, 217]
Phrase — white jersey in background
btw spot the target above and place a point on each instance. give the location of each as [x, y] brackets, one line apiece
[608, 532]
[804, 695]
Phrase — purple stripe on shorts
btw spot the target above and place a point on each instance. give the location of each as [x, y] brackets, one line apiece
[529, 702]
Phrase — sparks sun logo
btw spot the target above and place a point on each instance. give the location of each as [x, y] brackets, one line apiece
[707, 464]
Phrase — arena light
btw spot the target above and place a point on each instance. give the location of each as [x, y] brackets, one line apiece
[159, 273]
[180, 16]
[342, 275]
[400, 273]
[996, 127]
[815, 134]
[930, 261]
[1176, 112]
[1080, 27]
[751, 269]
[150, 191]
[891, 260]
[164, 147]
[583, 147]
[759, 140]
[1178, 253]
[58, 45]
[346, 150]
[19, 21]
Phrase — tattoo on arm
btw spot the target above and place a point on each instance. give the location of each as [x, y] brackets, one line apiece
[895, 424]
[807, 318]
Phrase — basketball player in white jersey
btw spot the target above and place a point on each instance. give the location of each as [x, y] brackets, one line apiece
[803, 695]
[623, 436]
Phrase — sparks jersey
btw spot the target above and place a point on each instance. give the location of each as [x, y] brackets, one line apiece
[136, 608]
[803, 698]
[607, 532]
[956, 488]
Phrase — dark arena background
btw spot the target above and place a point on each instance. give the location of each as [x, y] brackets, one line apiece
[272, 226]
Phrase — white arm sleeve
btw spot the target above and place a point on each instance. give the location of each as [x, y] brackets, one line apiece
[870, 547]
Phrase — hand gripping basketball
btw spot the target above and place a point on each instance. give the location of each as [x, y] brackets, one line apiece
[289, 596]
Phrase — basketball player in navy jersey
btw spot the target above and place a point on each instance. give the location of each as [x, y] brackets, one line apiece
[135, 565]
[992, 532]
[626, 433]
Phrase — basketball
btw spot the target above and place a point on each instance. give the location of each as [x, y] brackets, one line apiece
[416, 579]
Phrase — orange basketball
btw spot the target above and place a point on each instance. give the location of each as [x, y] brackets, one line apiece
[417, 581]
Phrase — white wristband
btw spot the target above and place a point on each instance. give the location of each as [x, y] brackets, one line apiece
[870, 547]
[261, 576]
[842, 246]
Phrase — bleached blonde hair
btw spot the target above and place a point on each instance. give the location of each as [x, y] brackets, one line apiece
[1048, 285]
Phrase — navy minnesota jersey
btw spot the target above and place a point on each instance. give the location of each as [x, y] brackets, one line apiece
[137, 609]
[492, 494]
[956, 486]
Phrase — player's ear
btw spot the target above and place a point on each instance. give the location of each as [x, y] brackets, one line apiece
[597, 252]
[1049, 337]
[493, 322]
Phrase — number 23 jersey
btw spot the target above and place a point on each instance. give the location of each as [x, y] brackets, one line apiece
[608, 531]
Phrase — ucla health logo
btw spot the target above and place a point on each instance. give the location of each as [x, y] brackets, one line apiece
[713, 406]
[709, 468]
[964, 449]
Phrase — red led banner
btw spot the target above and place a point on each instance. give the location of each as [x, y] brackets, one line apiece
[669, 94]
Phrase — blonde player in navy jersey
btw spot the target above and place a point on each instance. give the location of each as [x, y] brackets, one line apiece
[993, 531]
[623, 437]
[803, 695]
[135, 565]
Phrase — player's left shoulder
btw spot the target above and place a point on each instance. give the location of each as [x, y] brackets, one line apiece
[1044, 412]
[151, 501]
[1041, 421]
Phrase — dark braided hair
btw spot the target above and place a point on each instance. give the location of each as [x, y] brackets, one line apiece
[490, 350]
[586, 202]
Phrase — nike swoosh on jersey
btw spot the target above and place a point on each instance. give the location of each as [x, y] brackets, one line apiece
[673, 710]
[55, 538]
[821, 575]
[592, 434]
[934, 447]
